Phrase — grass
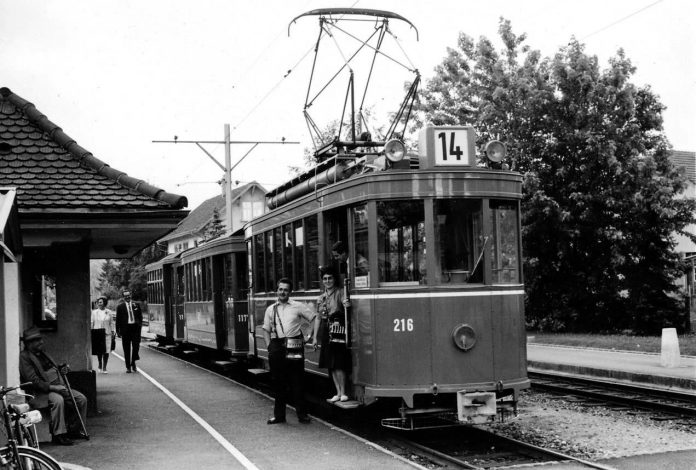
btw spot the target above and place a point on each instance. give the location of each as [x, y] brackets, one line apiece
[652, 344]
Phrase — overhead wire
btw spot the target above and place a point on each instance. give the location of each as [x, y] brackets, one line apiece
[620, 20]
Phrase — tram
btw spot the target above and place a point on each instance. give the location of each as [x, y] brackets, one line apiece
[198, 297]
[437, 315]
[165, 289]
[433, 268]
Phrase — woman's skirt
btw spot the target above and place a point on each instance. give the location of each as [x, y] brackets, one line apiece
[99, 341]
[333, 355]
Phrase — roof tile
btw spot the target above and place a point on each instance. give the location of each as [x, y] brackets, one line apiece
[52, 170]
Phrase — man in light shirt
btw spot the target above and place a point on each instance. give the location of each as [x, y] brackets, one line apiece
[282, 324]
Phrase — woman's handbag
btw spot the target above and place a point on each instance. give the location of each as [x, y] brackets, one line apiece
[113, 342]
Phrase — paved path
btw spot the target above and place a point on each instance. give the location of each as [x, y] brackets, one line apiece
[139, 426]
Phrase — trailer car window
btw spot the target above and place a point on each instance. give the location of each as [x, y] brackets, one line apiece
[258, 272]
[270, 274]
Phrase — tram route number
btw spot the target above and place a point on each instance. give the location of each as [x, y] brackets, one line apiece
[452, 147]
[402, 325]
[242, 318]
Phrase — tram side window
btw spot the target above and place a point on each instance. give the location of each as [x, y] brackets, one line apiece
[187, 282]
[259, 265]
[401, 242]
[278, 252]
[360, 266]
[312, 247]
[287, 251]
[270, 273]
[459, 238]
[207, 279]
[504, 250]
[299, 255]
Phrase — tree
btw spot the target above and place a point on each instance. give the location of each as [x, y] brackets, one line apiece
[117, 275]
[214, 228]
[600, 203]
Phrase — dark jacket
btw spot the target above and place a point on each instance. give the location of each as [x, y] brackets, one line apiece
[31, 370]
[122, 316]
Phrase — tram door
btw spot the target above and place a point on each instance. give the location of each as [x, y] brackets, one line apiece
[236, 303]
[168, 288]
[178, 301]
[336, 230]
[219, 287]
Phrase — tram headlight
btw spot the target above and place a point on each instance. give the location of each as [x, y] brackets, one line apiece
[394, 150]
[495, 151]
[464, 337]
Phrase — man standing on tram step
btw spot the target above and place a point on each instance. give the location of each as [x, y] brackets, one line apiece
[281, 324]
[129, 320]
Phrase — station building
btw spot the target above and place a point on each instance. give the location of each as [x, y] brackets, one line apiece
[60, 206]
[248, 201]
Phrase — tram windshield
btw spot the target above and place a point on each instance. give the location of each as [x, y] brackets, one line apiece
[401, 242]
[460, 239]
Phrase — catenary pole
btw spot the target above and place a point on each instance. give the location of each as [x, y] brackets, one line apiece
[227, 168]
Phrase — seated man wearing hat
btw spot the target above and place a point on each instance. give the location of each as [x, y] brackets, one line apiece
[37, 367]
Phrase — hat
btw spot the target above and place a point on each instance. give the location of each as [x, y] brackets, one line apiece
[31, 334]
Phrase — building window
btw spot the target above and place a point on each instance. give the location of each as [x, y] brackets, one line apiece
[247, 211]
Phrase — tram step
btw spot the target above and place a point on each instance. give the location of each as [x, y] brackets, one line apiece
[346, 405]
[224, 364]
[189, 351]
[258, 371]
[170, 346]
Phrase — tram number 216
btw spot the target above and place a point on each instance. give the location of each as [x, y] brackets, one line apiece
[403, 325]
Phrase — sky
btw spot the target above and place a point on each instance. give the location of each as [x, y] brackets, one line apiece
[116, 75]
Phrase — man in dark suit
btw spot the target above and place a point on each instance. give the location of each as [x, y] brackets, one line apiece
[49, 389]
[129, 320]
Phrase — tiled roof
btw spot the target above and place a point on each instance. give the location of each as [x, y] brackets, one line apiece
[51, 171]
[686, 160]
[197, 219]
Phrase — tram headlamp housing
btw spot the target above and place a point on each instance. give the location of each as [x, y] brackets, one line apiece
[495, 151]
[464, 337]
[394, 150]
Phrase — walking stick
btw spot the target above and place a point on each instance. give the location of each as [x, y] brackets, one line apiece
[70, 392]
[72, 396]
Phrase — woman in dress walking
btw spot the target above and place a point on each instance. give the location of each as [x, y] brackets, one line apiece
[103, 331]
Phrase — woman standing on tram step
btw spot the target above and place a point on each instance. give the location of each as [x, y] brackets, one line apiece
[103, 332]
[334, 354]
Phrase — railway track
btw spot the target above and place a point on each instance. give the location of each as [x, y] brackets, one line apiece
[480, 449]
[665, 404]
[446, 448]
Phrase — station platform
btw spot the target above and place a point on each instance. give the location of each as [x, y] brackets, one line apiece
[620, 366]
[174, 415]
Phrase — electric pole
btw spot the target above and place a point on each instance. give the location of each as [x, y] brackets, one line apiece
[227, 168]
